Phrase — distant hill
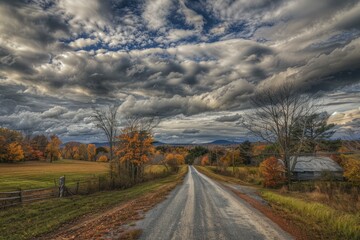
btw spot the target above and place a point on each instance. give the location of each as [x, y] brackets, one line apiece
[222, 142]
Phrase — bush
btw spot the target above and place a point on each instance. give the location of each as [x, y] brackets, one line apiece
[352, 170]
[273, 172]
[102, 158]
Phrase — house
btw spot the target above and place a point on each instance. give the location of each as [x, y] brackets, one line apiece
[312, 168]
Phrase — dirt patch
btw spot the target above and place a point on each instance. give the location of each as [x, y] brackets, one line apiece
[116, 223]
[283, 222]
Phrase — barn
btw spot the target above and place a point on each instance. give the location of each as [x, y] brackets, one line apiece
[312, 168]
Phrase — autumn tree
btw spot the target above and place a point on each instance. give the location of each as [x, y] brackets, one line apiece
[174, 160]
[71, 150]
[91, 152]
[273, 172]
[83, 153]
[38, 144]
[15, 152]
[205, 160]
[53, 148]
[10, 145]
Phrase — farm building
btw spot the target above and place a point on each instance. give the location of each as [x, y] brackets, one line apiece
[311, 168]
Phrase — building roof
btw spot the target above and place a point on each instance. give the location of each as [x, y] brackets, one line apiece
[315, 164]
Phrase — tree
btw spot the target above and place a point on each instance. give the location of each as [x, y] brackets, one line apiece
[107, 121]
[195, 153]
[276, 113]
[135, 146]
[245, 152]
[39, 143]
[315, 131]
[205, 160]
[83, 153]
[174, 160]
[71, 150]
[53, 148]
[273, 172]
[15, 152]
[91, 152]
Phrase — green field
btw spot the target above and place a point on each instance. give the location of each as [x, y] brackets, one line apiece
[30, 220]
[31, 175]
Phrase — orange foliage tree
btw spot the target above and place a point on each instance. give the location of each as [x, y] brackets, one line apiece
[91, 152]
[134, 150]
[174, 160]
[53, 148]
[273, 172]
[205, 160]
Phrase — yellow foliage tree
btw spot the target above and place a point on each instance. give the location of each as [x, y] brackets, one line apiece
[91, 149]
[103, 158]
[53, 148]
[15, 152]
[174, 160]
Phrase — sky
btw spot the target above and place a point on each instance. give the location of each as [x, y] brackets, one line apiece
[194, 64]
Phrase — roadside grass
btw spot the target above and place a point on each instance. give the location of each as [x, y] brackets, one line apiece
[334, 223]
[30, 175]
[322, 217]
[211, 172]
[31, 220]
[155, 169]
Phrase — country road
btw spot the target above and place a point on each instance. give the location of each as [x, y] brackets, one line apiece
[201, 208]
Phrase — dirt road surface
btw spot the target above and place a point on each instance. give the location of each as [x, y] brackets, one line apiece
[201, 208]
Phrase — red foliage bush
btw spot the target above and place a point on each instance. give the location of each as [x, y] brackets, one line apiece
[273, 172]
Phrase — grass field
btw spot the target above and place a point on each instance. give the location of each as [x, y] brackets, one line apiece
[30, 220]
[30, 175]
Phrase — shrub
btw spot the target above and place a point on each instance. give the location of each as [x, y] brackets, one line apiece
[102, 158]
[352, 170]
[273, 172]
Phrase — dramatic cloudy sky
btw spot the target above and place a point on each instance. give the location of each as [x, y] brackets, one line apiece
[193, 63]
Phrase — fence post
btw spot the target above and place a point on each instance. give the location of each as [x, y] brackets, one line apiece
[77, 187]
[20, 195]
[61, 186]
[99, 184]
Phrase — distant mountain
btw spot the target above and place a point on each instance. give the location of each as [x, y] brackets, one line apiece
[100, 144]
[223, 142]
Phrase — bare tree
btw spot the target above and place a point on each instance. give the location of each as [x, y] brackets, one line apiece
[106, 120]
[276, 112]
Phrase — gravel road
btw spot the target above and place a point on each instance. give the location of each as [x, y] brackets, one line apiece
[201, 208]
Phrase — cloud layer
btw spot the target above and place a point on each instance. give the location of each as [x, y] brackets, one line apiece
[170, 58]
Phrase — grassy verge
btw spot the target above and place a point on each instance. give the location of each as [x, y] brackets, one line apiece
[209, 171]
[333, 223]
[28, 221]
[319, 220]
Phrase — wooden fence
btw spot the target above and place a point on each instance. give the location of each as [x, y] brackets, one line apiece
[8, 199]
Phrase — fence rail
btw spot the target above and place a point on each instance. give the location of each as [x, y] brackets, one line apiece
[13, 198]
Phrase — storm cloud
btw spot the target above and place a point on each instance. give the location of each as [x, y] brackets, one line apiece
[170, 58]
